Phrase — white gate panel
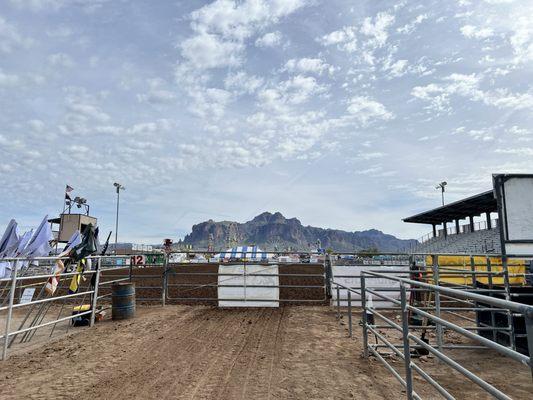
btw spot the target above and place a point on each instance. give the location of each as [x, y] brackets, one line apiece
[245, 295]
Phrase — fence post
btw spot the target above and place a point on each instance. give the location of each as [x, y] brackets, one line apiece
[165, 282]
[350, 313]
[327, 271]
[528, 316]
[505, 267]
[406, 345]
[95, 294]
[437, 301]
[338, 303]
[365, 320]
[10, 309]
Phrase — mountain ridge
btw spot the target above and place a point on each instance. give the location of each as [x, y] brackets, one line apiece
[273, 231]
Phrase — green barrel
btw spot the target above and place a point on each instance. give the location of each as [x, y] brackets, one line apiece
[123, 300]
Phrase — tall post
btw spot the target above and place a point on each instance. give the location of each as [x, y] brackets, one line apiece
[445, 227]
[471, 222]
[489, 222]
[95, 294]
[365, 319]
[116, 219]
[10, 309]
[434, 230]
[437, 301]
[457, 227]
[350, 313]
[406, 346]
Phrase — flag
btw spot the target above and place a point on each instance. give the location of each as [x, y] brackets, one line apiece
[76, 279]
[87, 246]
[53, 281]
[9, 238]
[39, 245]
[74, 240]
[68, 189]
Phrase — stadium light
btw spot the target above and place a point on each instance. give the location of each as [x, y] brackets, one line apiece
[118, 187]
[442, 187]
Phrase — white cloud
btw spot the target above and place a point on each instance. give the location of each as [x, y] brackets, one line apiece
[271, 39]
[295, 90]
[222, 27]
[522, 37]
[61, 60]
[520, 151]
[516, 130]
[473, 32]
[308, 65]
[157, 94]
[242, 82]
[210, 102]
[7, 80]
[206, 51]
[38, 5]
[365, 109]
[345, 39]
[410, 27]
[377, 28]
[10, 38]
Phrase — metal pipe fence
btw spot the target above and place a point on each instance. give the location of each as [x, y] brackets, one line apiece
[376, 322]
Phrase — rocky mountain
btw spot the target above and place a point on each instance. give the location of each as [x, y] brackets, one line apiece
[275, 232]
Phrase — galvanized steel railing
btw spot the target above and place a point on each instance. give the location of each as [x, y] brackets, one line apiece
[434, 313]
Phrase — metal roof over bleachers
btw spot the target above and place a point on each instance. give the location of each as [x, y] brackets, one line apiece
[471, 206]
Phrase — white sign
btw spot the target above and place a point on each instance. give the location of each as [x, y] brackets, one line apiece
[27, 295]
[243, 294]
[349, 276]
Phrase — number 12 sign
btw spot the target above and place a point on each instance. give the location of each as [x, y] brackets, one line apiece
[138, 260]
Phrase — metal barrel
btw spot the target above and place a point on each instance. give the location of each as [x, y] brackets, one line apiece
[123, 300]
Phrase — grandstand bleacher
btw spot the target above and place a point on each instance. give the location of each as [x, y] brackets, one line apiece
[477, 242]
[470, 238]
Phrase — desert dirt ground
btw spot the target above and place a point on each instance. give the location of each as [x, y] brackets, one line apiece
[202, 352]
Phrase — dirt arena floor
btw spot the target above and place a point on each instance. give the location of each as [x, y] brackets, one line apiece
[201, 352]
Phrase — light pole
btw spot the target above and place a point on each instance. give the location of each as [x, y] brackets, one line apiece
[442, 187]
[118, 187]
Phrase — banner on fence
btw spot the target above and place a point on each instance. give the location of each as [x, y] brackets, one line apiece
[238, 287]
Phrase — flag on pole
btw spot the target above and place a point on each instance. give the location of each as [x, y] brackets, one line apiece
[39, 244]
[68, 189]
[9, 238]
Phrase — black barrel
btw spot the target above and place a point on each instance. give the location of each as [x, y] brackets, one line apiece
[123, 300]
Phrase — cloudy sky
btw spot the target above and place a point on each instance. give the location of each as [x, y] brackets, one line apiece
[342, 113]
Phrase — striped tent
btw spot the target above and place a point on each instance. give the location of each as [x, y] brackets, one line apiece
[252, 253]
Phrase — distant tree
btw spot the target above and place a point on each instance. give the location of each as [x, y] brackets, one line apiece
[368, 252]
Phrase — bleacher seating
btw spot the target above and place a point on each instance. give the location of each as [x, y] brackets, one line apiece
[478, 242]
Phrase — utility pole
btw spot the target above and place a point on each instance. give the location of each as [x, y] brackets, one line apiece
[118, 187]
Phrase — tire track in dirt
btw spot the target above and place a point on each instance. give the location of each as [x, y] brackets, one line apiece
[210, 384]
[278, 345]
[194, 363]
[248, 363]
[156, 364]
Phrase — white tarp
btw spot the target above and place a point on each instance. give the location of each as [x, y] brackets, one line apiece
[269, 277]
[348, 275]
